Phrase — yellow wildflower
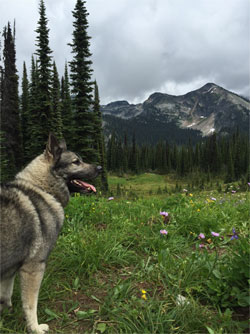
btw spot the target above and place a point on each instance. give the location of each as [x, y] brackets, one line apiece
[191, 195]
[198, 210]
[144, 297]
[209, 241]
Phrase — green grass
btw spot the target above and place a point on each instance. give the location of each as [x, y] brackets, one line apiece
[109, 251]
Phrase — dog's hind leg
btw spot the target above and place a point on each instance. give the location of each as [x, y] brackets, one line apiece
[31, 277]
[6, 290]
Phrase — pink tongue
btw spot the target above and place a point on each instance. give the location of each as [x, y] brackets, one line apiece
[88, 186]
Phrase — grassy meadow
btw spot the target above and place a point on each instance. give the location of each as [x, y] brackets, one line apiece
[120, 266]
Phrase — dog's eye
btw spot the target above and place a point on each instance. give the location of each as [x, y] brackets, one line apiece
[76, 162]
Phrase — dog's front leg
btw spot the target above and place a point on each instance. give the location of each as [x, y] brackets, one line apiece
[6, 289]
[31, 277]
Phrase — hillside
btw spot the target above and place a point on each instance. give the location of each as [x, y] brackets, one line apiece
[177, 118]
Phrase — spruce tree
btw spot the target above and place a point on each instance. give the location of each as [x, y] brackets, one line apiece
[82, 86]
[11, 138]
[33, 127]
[24, 111]
[56, 117]
[134, 157]
[99, 139]
[44, 78]
[66, 108]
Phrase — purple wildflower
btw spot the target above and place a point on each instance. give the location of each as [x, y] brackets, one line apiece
[110, 198]
[233, 191]
[201, 245]
[215, 234]
[235, 236]
[213, 198]
[164, 213]
[163, 232]
[201, 236]
[248, 183]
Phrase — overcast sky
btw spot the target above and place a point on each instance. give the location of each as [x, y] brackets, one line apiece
[143, 46]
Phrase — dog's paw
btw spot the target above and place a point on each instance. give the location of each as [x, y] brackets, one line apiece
[40, 329]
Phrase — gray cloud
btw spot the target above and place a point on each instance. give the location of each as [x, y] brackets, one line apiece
[144, 46]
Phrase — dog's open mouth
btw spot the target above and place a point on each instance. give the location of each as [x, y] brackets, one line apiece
[79, 185]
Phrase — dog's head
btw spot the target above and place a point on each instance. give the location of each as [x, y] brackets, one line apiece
[70, 167]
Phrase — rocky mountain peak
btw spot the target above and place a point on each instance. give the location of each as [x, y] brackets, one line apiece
[208, 109]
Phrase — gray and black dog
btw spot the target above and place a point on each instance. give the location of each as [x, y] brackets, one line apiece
[32, 214]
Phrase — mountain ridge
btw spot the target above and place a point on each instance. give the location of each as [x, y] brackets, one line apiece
[206, 110]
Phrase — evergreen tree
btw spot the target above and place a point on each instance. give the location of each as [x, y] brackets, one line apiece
[134, 157]
[56, 117]
[82, 87]
[11, 138]
[33, 126]
[44, 78]
[99, 139]
[24, 111]
[230, 167]
[66, 108]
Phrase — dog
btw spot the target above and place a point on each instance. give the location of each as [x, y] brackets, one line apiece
[32, 215]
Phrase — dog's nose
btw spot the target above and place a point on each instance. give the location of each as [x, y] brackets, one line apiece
[99, 169]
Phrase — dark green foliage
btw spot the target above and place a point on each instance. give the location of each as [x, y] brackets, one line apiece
[24, 111]
[66, 108]
[99, 140]
[82, 87]
[11, 137]
[214, 156]
[159, 130]
[44, 78]
[56, 117]
[33, 126]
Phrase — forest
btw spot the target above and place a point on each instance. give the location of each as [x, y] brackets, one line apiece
[70, 107]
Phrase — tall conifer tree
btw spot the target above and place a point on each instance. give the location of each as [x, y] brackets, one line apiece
[56, 117]
[44, 77]
[82, 86]
[66, 108]
[24, 110]
[99, 139]
[33, 127]
[10, 118]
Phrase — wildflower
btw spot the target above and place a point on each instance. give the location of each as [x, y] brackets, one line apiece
[191, 195]
[213, 199]
[209, 241]
[233, 191]
[201, 245]
[181, 300]
[110, 198]
[248, 183]
[185, 190]
[235, 235]
[201, 236]
[163, 232]
[164, 213]
[144, 292]
[198, 210]
[215, 234]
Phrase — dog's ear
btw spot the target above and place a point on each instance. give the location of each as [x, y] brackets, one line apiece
[53, 149]
[63, 145]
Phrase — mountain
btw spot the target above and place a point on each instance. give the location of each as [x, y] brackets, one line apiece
[178, 118]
